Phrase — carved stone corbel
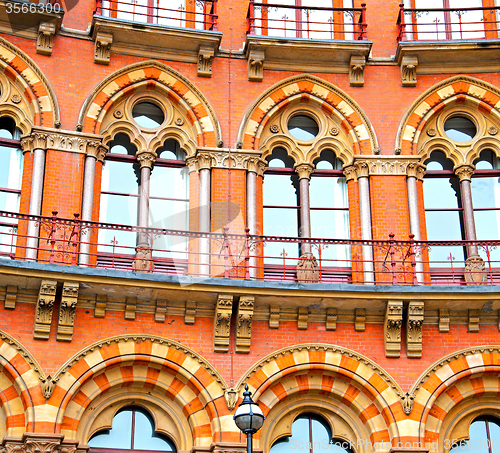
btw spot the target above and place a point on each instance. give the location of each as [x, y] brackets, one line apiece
[67, 311]
[44, 307]
[409, 71]
[244, 324]
[274, 316]
[10, 297]
[102, 49]
[331, 319]
[222, 322]
[100, 306]
[444, 320]
[474, 321]
[256, 65]
[302, 318]
[45, 40]
[190, 315]
[205, 57]
[392, 328]
[414, 330]
[130, 308]
[356, 71]
[231, 397]
[161, 310]
[360, 320]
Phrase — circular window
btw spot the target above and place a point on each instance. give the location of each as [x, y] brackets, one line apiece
[460, 128]
[303, 127]
[148, 115]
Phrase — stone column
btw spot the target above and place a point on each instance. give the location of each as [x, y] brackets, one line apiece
[204, 168]
[143, 261]
[37, 144]
[255, 168]
[464, 174]
[362, 173]
[414, 172]
[95, 152]
[304, 171]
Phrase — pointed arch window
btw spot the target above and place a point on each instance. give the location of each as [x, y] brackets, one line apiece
[484, 436]
[133, 429]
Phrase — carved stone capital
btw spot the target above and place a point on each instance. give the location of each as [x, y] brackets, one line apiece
[45, 39]
[222, 322]
[205, 57]
[256, 165]
[416, 170]
[204, 160]
[67, 310]
[102, 49]
[356, 71]
[464, 172]
[256, 59]
[146, 158]
[192, 163]
[414, 324]
[44, 307]
[27, 144]
[362, 169]
[96, 149]
[39, 140]
[274, 316]
[244, 324]
[392, 328]
[350, 173]
[304, 170]
[409, 71]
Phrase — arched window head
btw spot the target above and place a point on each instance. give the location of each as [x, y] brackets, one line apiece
[310, 434]
[484, 436]
[133, 430]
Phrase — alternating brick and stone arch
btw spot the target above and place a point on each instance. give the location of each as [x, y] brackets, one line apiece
[26, 95]
[332, 380]
[160, 375]
[313, 94]
[151, 76]
[452, 392]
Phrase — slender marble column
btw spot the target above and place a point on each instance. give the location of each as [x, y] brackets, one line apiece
[304, 171]
[205, 225]
[146, 159]
[415, 171]
[464, 173]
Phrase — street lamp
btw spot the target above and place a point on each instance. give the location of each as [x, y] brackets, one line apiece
[248, 417]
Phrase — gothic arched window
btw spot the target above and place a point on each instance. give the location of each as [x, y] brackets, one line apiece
[484, 436]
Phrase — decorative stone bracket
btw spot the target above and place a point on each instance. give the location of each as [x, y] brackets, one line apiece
[130, 308]
[360, 320]
[331, 319]
[100, 306]
[356, 71]
[67, 311]
[222, 322]
[45, 39]
[409, 71]
[10, 297]
[190, 315]
[44, 307]
[161, 310]
[244, 324]
[205, 58]
[414, 330]
[256, 59]
[444, 320]
[392, 328]
[474, 321]
[102, 49]
[274, 317]
[302, 318]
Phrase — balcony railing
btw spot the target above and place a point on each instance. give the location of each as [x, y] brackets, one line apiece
[245, 256]
[195, 14]
[439, 24]
[323, 23]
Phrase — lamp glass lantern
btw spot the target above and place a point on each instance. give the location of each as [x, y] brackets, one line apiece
[249, 417]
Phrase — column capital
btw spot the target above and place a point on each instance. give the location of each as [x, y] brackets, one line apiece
[204, 160]
[464, 172]
[256, 165]
[362, 169]
[96, 149]
[416, 170]
[349, 172]
[304, 170]
[146, 158]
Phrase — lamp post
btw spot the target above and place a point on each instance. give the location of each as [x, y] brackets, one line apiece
[248, 417]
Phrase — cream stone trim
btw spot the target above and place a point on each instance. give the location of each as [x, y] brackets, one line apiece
[387, 165]
[249, 160]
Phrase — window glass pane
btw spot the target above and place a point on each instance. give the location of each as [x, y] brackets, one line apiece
[169, 182]
[11, 164]
[147, 114]
[279, 191]
[321, 435]
[460, 129]
[120, 436]
[303, 127]
[120, 177]
[281, 222]
[146, 439]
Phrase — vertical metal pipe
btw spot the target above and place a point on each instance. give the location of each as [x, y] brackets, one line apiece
[249, 443]
[305, 214]
[35, 203]
[470, 227]
[205, 226]
[87, 206]
[252, 215]
[411, 186]
[366, 228]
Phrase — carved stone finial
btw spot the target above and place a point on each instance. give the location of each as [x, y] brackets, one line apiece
[67, 311]
[146, 158]
[45, 40]
[256, 65]
[222, 322]
[475, 272]
[304, 170]
[307, 269]
[205, 58]
[231, 397]
[44, 307]
[102, 49]
[464, 172]
[414, 330]
[392, 328]
[409, 71]
[244, 324]
[356, 71]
